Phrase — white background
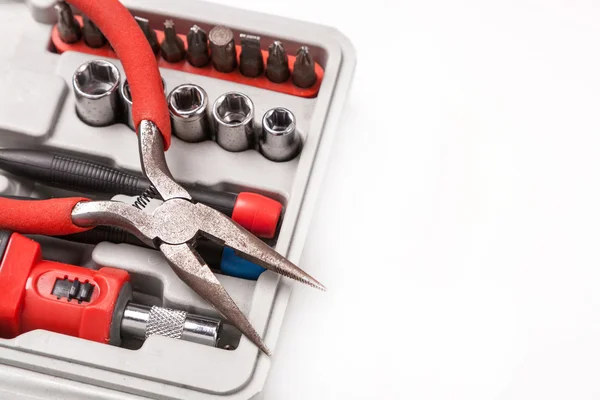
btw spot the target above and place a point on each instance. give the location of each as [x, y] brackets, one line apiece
[459, 221]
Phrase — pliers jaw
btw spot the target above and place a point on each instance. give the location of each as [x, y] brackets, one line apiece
[174, 226]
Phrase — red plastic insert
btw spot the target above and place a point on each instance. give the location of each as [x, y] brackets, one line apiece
[262, 82]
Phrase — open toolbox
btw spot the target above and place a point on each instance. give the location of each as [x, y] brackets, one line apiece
[38, 111]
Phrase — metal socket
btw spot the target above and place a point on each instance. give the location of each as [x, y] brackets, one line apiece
[279, 141]
[127, 104]
[187, 106]
[96, 87]
[233, 115]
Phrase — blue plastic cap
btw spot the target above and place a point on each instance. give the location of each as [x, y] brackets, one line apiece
[233, 265]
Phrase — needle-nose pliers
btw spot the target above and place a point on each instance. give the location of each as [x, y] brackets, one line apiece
[174, 226]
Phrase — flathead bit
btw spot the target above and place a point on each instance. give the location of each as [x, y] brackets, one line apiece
[251, 59]
[92, 36]
[197, 52]
[172, 48]
[304, 75]
[278, 68]
[69, 29]
[222, 49]
[149, 33]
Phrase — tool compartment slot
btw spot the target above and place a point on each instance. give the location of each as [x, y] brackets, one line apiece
[163, 367]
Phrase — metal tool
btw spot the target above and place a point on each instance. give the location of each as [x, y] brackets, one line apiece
[90, 304]
[219, 259]
[69, 29]
[91, 34]
[304, 75]
[173, 227]
[233, 115]
[127, 103]
[150, 34]
[96, 87]
[222, 49]
[140, 321]
[251, 58]
[257, 213]
[279, 141]
[197, 51]
[172, 48]
[278, 68]
[189, 120]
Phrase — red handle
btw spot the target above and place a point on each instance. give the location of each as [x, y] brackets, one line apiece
[139, 62]
[43, 217]
[39, 294]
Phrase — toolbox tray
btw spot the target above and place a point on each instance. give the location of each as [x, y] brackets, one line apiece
[37, 110]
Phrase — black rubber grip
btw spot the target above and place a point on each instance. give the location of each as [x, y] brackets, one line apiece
[91, 177]
[104, 234]
[79, 174]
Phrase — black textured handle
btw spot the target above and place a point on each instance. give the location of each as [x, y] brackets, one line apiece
[79, 174]
[82, 175]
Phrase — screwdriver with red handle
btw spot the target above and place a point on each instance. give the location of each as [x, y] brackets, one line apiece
[257, 213]
[76, 301]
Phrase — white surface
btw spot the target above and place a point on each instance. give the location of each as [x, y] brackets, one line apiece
[481, 280]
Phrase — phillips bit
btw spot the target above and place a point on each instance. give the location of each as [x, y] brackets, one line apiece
[251, 59]
[222, 49]
[304, 75]
[197, 52]
[278, 68]
[69, 29]
[172, 48]
[92, 36]
[149, 33]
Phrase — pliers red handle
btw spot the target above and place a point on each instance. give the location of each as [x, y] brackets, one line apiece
[139, 62]
[172, 227]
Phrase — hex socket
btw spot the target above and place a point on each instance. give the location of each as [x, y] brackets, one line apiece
[96, 87]
[279, 141]
[233, 114]
[127, 104]
[187, 106]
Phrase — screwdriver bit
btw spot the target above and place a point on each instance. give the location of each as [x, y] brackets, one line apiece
[69, 29]
[278, 68]
[149, 33]
[251, 59]
[197, 53]
[92, 36]
[172, 48]
[222, 48]
[304, 75]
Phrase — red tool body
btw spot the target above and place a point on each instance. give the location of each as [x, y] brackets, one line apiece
[62, 298]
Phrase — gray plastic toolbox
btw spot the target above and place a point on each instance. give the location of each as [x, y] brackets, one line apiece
[37, 110]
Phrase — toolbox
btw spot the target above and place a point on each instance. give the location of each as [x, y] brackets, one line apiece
[37, 111]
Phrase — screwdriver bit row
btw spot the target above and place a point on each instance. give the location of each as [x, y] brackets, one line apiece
[201, 49]
[219, 46]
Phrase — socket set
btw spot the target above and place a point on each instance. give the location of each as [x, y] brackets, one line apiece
[253, 102]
